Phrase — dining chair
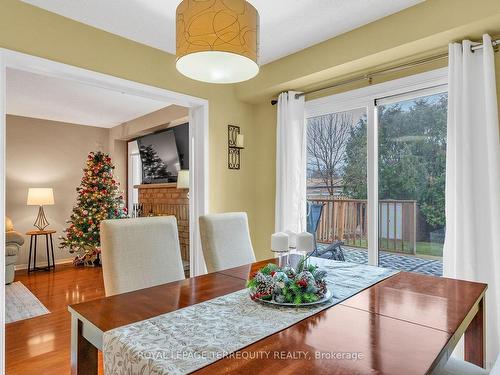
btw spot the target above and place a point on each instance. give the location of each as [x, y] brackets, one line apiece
[225, 240]
[139, 253]
[458, 367]
[314, 211]
[332, 251]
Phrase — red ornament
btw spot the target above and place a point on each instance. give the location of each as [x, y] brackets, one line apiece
[302, 283]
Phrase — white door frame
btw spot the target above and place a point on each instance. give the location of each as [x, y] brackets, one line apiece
[2, 212]
[198, 134]
[432, 81]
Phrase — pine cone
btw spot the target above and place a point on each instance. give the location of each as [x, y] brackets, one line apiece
[321, 287]
[289, 271]
[265, 284]
[306, 277]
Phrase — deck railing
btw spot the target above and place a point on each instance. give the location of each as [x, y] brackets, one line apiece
[347, 220]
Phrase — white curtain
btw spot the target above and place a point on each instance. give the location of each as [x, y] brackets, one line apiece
[472, 244]
[290, 164]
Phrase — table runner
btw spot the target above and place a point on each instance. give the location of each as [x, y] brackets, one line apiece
[185, 340]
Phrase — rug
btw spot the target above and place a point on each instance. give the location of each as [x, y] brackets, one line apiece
[21, 304]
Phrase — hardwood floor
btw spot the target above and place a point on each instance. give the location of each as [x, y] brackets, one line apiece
[41, 345]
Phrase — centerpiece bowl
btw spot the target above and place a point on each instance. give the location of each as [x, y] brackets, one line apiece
[285, 286]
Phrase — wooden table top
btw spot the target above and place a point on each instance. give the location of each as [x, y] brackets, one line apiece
[151, 302]
[122, 309]
[402, 325]
[40, 232]
[436, 302]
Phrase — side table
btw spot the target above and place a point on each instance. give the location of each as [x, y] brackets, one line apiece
[34, 235]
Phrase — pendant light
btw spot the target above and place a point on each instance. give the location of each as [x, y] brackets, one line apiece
[217, 40]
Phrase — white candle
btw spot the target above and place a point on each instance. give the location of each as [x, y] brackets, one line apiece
[292, 238]
[240, 140]
[279, 242]
[305, 242]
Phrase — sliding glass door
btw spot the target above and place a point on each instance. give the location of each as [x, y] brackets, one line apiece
[376, 165]
[411, 182]
[336, 181]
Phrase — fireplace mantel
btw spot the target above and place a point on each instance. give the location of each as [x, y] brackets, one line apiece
[156, 186]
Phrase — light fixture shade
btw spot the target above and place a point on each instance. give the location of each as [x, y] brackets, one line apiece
[183, 179]
[217, 40]
[40, 197]
[240, 140]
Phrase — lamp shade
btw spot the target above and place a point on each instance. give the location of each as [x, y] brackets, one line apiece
[240, 140]
[217, 40]
[40, 197]
[183, 179]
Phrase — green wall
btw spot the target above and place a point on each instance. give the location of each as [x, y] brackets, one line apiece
[419, 31]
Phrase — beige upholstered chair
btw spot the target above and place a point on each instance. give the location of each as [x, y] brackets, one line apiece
[139, 253]
[13, 242]
[225, 239]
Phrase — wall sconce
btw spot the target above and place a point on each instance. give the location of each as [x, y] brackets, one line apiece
[235, 142]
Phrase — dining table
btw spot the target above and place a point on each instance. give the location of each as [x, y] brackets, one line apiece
[407, 323]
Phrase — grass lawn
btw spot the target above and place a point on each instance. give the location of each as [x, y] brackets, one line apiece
[430, 248]
[423, 248]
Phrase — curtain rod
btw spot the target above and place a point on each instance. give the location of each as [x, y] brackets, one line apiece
[393, 69]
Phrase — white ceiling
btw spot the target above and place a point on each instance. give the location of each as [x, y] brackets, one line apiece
[49, 98]
[287, 26]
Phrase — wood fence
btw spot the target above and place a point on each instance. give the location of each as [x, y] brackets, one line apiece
[347, 220]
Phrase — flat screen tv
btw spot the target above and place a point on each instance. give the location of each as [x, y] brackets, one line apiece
[163, 154]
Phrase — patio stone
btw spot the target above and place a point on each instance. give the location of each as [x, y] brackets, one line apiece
[399, 262]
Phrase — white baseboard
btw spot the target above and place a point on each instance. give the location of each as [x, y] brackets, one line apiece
[58, 261]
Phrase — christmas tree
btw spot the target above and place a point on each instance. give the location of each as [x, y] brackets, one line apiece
[98, 199]
[153, 167]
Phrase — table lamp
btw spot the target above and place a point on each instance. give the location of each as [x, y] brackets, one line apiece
[40, 197]
[183, 180]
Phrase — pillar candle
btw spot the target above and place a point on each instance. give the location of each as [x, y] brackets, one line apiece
[240, 140]
[292, 238]
[279, 242]
[305, 242]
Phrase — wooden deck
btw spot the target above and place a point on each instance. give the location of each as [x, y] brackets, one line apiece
[347, 220]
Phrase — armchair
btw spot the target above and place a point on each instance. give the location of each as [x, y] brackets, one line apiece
[13, 242]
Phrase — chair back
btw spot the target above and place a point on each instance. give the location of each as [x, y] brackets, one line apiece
[225, 239]
[314, 212]
[139, 253]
